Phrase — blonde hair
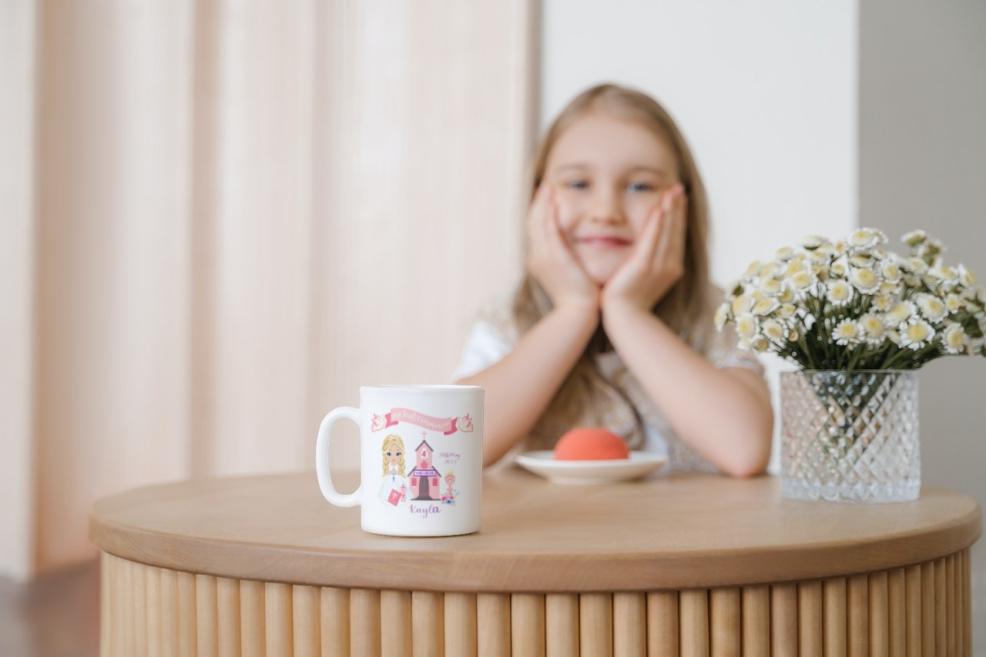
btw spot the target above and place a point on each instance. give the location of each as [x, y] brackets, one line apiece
[393, 442]
[685, 305]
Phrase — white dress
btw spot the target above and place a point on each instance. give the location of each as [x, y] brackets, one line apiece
[392, 481]
[491, 338]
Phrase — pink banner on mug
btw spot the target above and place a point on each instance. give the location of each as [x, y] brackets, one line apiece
[447, 426]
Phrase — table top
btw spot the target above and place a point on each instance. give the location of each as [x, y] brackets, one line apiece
[666, 532]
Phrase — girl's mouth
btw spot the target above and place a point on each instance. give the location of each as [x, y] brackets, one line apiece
[604, 241]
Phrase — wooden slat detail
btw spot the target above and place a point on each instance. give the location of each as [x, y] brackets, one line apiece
[527, 623]
[460, 624]
[629, 625]
[334, 621]
[428, 624]
[694, 623]
[784, 620]
[493, 624]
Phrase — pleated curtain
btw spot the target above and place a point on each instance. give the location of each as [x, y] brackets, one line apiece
[220, 218]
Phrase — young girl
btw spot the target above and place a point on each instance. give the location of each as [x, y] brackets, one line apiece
[611, 324]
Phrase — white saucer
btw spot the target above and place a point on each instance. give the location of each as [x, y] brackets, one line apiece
[543, 462]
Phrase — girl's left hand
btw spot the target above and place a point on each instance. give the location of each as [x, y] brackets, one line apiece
[657, 260]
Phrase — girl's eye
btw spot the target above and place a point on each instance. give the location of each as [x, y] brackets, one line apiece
[577, 184]
[641, 187]
[398, 453]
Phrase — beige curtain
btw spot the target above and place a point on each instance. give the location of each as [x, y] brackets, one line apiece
[222, 217]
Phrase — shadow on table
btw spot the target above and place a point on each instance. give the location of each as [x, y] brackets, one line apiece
[56, 615]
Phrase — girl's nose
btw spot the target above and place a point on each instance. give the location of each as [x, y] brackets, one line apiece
[606, 209]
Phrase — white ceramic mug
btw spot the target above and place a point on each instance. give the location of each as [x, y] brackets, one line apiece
[421, 459]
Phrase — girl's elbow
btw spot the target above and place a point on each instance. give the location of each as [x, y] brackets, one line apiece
[751, 462]
[745, 469]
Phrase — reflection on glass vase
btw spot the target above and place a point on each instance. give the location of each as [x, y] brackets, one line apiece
[850, 436]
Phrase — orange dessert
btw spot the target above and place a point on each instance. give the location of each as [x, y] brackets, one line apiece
[590, 444]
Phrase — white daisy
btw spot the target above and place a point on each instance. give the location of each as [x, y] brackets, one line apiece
[888, 288]
[787, 310]
[784, 253]
[900, 312]
[865, 238]
[954, 303]
[813, 242]
[872, 328]
[786, 295]
[770, 287]
[954, 339]
[742, 304]
[773, 330]
[765, 306]
[746, 326]
[839, 268]
[890, 271]
[796, 264]
[883, 302]
[914, 237]
[864, 279]
[769, 270]
[839, 293]
[722, 314]
[760, 344]
[846, 332]
[827, 249]
[802, 280]
[861, 260]
[966, 276]
[916, 265]
[945, 273]
[916, 333]
[932, 307]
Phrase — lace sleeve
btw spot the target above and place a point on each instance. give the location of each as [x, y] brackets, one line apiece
[485, 346]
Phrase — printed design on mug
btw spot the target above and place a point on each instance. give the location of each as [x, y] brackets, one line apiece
[446, 426]
[424, 480]
[426, 488]
[448, 497]
[393, 488]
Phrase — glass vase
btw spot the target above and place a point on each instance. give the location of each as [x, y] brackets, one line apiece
[850, 436]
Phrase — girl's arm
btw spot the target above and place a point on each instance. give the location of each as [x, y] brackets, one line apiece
[520, 386]
[724, 413]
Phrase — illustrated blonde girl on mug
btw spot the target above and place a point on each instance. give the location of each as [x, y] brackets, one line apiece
[393, 488]
[611, 324]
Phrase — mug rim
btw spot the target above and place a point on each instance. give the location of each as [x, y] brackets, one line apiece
[421, 387]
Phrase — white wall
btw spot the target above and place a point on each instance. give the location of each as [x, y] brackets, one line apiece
[923, 164]
[765, 92]
[17, 501]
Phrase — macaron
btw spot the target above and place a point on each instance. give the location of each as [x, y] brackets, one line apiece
[590, 444]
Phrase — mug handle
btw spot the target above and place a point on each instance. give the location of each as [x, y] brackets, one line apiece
[322, 466]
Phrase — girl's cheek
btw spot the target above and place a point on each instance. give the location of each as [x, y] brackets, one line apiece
[568, 210]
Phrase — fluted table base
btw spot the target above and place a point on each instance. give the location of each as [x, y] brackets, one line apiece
[923, 609]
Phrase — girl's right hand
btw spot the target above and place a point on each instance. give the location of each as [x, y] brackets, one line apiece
[551, 261]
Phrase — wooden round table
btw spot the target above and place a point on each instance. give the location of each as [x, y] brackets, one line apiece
[680, 565]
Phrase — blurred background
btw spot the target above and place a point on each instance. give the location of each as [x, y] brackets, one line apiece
[219, 218]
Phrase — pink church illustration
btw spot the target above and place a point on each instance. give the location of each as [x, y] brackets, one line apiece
[424, 480]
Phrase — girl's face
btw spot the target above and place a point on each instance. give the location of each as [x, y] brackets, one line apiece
[607, 174]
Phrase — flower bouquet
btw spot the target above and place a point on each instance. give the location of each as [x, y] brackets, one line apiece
[858, 320]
